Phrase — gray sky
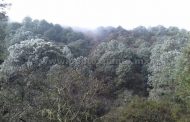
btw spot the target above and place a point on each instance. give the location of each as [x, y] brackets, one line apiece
[94, 13]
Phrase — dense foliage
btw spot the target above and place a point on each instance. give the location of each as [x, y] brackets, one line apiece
[57, 74]
[3, 23]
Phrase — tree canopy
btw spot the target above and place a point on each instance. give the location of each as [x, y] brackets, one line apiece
[54, 73]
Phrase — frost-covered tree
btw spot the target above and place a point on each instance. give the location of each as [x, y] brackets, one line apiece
[104, 47]
[81, 64]
[28, 63]
[162, 68]
[108, 62]
[24, 76]
[125, 72]
[107, 57]
[18, 36]
[32, 55]
[118, 65]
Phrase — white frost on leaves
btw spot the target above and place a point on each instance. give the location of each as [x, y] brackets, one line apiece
[33, 54]
[81, 64]
[67, 52]
[162, 67]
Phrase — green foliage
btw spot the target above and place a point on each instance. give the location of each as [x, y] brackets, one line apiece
[3, 24]
[141, 110]
[80, 47]
[23, 78]
[183, 77]
[32, 29]
[162, 68]
[128, 77]
[55, 74]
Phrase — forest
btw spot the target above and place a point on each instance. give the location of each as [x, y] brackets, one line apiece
[52, 73]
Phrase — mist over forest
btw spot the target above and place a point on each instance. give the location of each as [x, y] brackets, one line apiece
[53, 73]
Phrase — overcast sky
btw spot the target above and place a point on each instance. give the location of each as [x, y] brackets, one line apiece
[94, 13]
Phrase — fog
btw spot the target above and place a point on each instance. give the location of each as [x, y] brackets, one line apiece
[94, 13]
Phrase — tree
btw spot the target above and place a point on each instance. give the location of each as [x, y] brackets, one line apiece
[74, 95]
[124, 72]
[108, 56]
[2, 41]
[162, 68]
[183, 78]
[20, 35]
[33, 55]
[80, 47]
[24, 76]
[141, 110]
[3, 6]
[3, 23]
